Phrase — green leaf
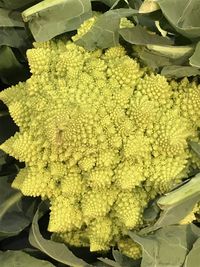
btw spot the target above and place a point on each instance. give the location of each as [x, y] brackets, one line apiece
[140, 36]
[187, 191]
[110, 262]
[173, 52]
[196, 147]
[193, 257]
[13, 4]
[124, 260]
[177, 71]
[104, 32]
[177, 204]
[10, 19]
[21, 259]
[57, 251]
[12, 29]
[120, 260]
[195, 58]
[13, 218]
[151, 212]
[14, 37]
[183, 15]
[149, 6]
[50, 18]
[167, 246]
[11, 71]
[150, 58]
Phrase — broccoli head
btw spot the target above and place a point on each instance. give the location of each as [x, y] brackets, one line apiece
[100, 137]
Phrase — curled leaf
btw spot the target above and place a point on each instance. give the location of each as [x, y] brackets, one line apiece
[21, 259]
[51, 18]
[183, 15]
[14, 216]
[104, 33]
[57, 251]
[168, 246]
[140, 36]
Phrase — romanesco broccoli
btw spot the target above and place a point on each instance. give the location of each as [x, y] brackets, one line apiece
[100, 137]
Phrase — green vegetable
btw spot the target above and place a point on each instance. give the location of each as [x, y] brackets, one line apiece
[100, 137]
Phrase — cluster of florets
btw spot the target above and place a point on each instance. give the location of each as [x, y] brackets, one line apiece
[100, 138]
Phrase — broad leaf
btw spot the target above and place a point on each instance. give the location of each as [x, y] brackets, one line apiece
[177, 204]
[12, 29]
[175, 71]
[151, 59]
[21, 259]
[193, 257]
[196, 147]
[173, 52]
[151, 212]
[14, 37]
[57, 251]
[11, 70]
[140, 36]
[13, 4]
[183, 15]
[104, 33]
[10, 19]
[109, 262]
[124, 260]
[185, 192]
[195, 58]
[14, 216]
[167, 246]
[51, 18]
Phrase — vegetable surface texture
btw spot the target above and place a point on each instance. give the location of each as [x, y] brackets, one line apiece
[100, 137]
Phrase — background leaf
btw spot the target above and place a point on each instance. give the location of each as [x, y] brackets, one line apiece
[193, 257]
[195, 147]
[110, 262]
[13, 216]
[172, 52]
[13, 4]
[21, 259]
[183, 15]
[10, 18]
[57, 251]
[140, 36]
[167, 246]
[11, 70]
[195, 58]
[175, 71]
[104, 32]
[150, 58]
[177, 204]
[48, 19]
[124, 260]
[14, 37]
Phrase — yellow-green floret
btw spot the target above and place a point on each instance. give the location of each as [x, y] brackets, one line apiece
[99, 138]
